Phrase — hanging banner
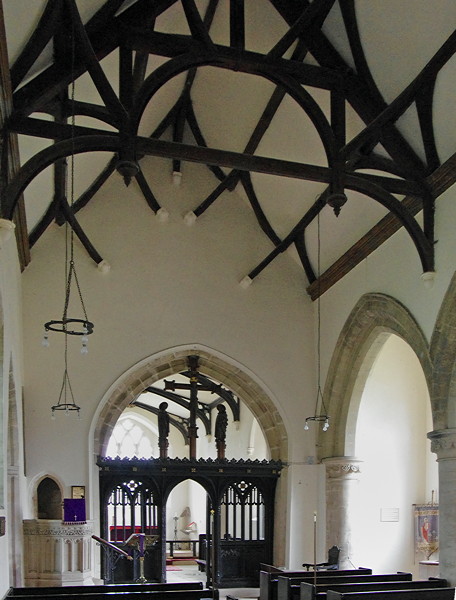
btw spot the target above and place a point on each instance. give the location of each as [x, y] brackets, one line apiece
[426, 529]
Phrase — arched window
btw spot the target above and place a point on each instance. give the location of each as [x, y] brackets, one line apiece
[130, 437]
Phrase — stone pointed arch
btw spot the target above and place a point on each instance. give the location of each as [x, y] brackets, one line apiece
[166, 364]
[374, 318]
[443, 355]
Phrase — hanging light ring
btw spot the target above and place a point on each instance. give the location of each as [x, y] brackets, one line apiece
[67, 407]
[84, 327]
[318, 418]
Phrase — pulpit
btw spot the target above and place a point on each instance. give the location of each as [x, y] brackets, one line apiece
[57, 553]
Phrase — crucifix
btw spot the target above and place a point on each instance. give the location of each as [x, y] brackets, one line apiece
[194, 386]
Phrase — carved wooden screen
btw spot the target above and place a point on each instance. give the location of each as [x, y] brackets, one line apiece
[242, 543]
[131, 509]
[242, 513]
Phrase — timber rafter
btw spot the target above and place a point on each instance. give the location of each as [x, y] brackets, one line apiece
[131, 31]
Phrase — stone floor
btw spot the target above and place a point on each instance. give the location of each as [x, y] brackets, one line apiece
[191, 573]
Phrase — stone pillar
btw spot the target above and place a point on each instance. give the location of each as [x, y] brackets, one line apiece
[342, 477]
[443, 443]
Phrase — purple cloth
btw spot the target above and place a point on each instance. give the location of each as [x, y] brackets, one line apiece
[74, 510]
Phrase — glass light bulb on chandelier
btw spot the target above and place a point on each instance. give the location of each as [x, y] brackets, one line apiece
[45, 340]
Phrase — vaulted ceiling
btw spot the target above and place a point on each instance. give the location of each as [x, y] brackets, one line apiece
[334, 119]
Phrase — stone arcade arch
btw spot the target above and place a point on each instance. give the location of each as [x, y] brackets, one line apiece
[443, 438]
[374, 318]
[443, 355]
[172, 361]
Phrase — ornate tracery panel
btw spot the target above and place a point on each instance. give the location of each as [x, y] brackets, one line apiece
[131, 509]
[130, 505]
[242, 512]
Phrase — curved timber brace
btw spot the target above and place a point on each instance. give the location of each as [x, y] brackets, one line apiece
[107, 31]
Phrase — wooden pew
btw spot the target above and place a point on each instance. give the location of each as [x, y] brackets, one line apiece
[309, 591]
[109, 587]
[443, 593]
[166, 594]
[268, 579]
[270, 568]
[289, 588]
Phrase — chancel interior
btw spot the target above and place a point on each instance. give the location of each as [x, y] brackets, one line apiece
[228, 298]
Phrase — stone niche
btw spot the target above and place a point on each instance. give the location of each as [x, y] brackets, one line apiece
[56, 553]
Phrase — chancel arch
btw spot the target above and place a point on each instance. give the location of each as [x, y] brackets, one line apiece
[254, 479]
[130, 386]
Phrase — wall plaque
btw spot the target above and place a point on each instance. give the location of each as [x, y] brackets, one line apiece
[389, 515]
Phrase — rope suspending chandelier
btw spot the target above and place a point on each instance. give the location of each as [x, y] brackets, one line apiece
[69, 326]
[322, 416]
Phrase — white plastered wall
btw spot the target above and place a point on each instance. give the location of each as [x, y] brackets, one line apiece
[172, 285]
[393, 420]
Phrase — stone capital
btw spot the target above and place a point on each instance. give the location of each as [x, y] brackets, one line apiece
[56, 528]
[342, 467]
[443, 443]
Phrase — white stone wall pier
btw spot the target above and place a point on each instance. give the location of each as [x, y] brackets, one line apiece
[342, 477]
[443, 443]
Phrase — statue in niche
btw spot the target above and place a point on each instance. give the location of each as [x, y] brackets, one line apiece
[221, 423]
[163, 429]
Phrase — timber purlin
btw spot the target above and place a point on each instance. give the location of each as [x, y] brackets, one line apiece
[288, 588]
[309, 591]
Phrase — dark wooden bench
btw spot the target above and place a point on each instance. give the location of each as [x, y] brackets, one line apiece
[109, 587]
[268, 579]
[201, 564]
[309, 591]
[271, 568]
[289, 588]
[164, 594]
[443, 593]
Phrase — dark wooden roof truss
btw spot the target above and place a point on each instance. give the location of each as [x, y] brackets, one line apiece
[79, 48]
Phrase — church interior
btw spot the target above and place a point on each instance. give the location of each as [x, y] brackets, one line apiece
[227, 290]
